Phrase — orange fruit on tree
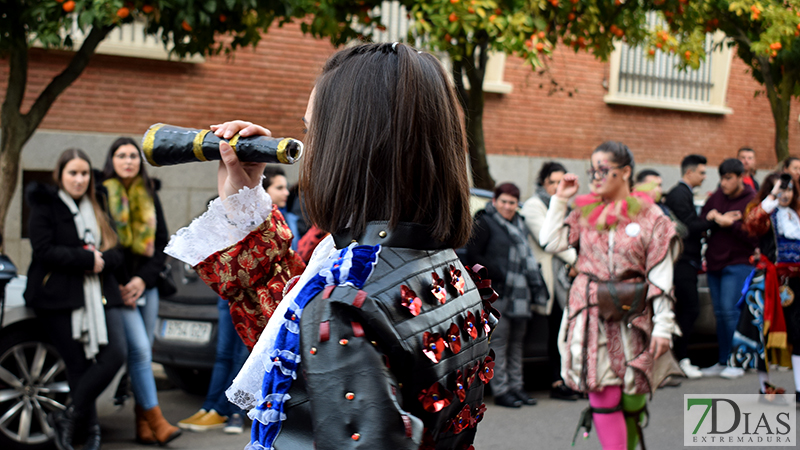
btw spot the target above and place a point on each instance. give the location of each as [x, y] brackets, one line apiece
[659, 44]
[185, 25]
[774, 53]
[492, 18]
[471, 10]
[541, 35]
[68, 6]
[454, 1]
[539, 46]
[453, 17]
[571, 17]
[147, 9]
[123, 12]
[688, 54]
[223, 18]
[651, 52]
[498, 11]
[775, 46]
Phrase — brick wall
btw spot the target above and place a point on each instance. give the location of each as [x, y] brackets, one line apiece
[270, 86]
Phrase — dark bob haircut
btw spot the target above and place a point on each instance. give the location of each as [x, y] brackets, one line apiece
[506, 188]
[549, 168]
[386, 142]
[731, 165]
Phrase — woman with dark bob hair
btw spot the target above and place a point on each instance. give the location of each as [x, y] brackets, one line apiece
[619, 317]
[383, 340]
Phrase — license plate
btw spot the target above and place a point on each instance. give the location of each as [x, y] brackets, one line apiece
[185, 330]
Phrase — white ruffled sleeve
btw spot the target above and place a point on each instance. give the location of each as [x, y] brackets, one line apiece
[225, 223]
[664, 324]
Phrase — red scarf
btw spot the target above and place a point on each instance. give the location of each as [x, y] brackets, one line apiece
[774, 324]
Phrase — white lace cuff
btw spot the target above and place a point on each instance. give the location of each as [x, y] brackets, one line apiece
[769, 205]
[224, 224]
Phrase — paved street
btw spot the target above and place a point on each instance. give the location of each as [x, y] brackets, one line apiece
[549, 425]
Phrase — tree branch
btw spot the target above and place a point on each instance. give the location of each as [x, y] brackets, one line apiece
[18, 69]
[63, 80]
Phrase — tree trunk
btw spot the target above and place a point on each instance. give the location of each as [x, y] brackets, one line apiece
[781, 111]
[474, 67]
[17, 128]
[780, 96]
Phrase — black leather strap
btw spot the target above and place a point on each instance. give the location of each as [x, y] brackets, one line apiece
[405, 235]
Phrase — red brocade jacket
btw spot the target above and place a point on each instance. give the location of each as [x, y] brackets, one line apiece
[252, 275]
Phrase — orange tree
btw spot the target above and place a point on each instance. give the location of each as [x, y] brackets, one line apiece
[764, 32]
[188, 26]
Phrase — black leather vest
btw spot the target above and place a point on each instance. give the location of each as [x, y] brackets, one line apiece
[364, 380]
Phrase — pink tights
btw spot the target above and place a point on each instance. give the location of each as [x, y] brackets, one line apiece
[611, 429]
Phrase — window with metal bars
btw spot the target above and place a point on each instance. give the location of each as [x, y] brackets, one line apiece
[635, 79]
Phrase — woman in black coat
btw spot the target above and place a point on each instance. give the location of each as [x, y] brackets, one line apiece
[72, 288]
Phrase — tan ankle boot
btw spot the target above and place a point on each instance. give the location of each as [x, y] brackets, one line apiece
[144, 435]
[163, 430]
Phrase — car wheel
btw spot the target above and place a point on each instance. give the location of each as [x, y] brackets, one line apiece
[192, 381]
[33, 382]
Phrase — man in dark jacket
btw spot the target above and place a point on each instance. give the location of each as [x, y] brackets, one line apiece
[680, 200]
[499, 242]
[727, 257]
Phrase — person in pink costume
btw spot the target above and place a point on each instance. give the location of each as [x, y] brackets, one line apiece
[624, 241]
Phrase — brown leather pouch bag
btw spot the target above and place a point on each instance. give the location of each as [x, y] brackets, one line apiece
[617, 300]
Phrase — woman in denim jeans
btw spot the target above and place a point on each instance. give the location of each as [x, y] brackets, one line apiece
[139, 221]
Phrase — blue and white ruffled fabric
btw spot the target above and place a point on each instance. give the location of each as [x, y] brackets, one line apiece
[350, 266]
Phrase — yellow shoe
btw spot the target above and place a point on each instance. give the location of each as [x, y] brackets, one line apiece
[187, 423]
[208, 422]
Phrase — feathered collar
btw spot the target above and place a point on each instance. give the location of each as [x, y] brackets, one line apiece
[605, 215]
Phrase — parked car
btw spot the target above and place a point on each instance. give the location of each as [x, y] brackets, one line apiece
[186, 331]
[33, 377]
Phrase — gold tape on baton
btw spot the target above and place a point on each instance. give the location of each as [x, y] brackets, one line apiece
[233, 142]
[147, 145]
[197, 145]
[282, 151]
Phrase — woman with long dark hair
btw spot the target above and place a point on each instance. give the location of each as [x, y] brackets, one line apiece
[769, 326]
[619, 318]
[142, 230]
[72, 289]
[383, 341]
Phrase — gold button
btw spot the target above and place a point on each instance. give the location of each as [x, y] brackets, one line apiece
[382, 234]
[353, 241]
[104, 300]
